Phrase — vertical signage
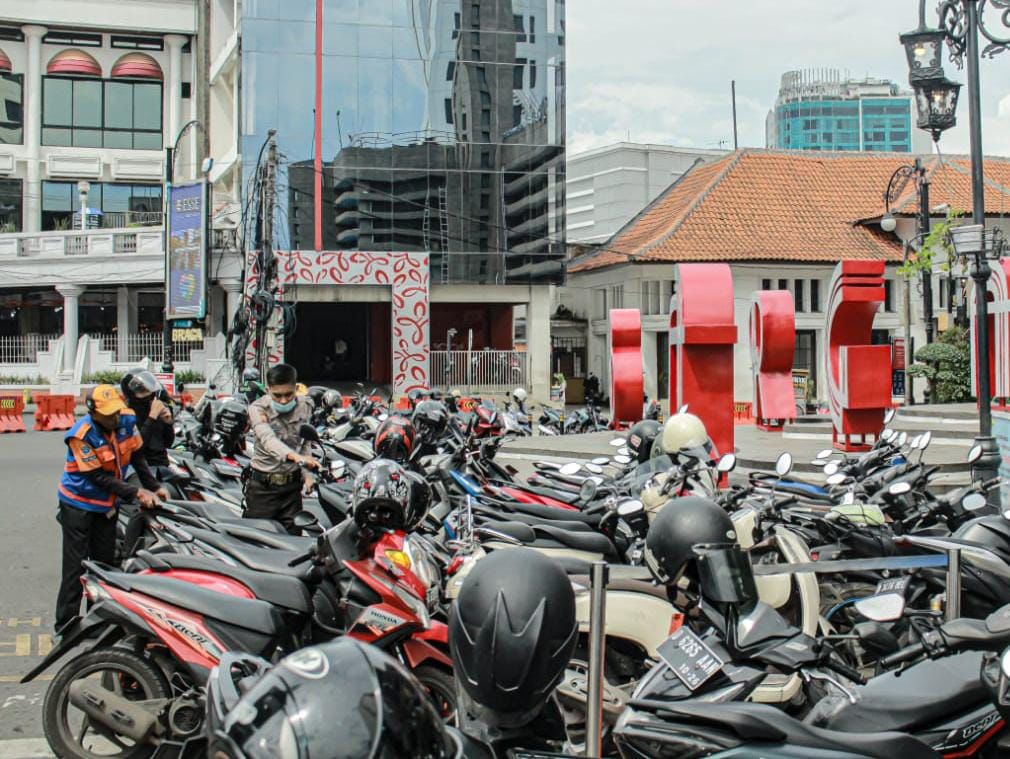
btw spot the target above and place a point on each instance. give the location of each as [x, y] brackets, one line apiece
[186, 274]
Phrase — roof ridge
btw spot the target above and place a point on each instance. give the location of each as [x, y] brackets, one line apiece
[699, 198]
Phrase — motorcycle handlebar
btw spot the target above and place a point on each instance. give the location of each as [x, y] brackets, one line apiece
[908, 652]
[300, 559]
[845, 671]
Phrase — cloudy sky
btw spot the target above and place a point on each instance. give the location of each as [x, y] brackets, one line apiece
[660, 70]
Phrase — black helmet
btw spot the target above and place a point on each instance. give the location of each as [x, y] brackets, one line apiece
[382, 497]
[139, 384]
[677, 528]
[316, 393]
[420, 498]
[342, 699]
[416, 395]
[641, 437]
[991, 531]
[511, 632]
[394, 439]
[333, 399]
[430, 419]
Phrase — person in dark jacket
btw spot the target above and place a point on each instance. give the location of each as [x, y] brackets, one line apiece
[151, 405]
[101, 449]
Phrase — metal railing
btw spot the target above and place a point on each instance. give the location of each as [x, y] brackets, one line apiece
[23, 349]
[488, 370]
[144, 345]
[118, 219]
[93, 242]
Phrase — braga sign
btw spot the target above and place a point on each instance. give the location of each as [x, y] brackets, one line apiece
[187, 252]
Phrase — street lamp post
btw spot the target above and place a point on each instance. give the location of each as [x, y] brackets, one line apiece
[83, 188]
[959, 25]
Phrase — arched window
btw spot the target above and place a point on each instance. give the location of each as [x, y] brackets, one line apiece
[81, 109]
[11, 99]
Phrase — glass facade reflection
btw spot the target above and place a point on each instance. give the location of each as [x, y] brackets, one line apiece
[442, 127]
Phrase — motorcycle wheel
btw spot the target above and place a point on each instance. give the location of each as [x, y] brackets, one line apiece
[441, 688]
[122, 671]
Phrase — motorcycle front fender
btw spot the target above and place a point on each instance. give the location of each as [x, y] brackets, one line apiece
[420, 651]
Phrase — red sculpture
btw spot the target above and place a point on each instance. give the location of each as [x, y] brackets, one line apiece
[626, 377]
[702, 335]
[859, 374]
[999, 335]
[772, 346]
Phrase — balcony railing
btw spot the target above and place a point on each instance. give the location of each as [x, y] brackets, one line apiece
[144, 345]
[93, 242]
[119, 219]
[23, 349]
[485, 370]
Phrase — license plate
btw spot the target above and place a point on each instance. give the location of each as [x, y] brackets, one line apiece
[893, 585]
[691, 660]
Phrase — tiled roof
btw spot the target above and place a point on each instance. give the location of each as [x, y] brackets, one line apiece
[766, 205]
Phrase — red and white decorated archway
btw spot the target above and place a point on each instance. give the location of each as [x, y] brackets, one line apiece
[406, 273]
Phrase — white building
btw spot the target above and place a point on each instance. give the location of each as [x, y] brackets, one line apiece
[93, 93]
[607, 186]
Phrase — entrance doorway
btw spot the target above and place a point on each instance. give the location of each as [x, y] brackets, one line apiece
[331, 342]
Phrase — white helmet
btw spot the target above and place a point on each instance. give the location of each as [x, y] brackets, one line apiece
[682, 432]
[520, 395]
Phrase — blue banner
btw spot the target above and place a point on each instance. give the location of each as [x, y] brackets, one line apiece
[187, 252]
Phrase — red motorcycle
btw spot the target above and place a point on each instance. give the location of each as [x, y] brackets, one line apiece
[156, 634]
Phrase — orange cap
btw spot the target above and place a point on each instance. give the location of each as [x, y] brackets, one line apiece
[107, 400]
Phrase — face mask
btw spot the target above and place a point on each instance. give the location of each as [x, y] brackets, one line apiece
[284, 408]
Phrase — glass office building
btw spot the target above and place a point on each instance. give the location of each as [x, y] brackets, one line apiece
[442, 129]
[822, 110]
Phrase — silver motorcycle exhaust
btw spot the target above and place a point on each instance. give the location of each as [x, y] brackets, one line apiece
[120, 715]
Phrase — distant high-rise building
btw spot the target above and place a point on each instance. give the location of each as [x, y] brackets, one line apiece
[822, 109]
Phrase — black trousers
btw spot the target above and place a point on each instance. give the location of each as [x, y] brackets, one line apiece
[86, 535]
[280, 502]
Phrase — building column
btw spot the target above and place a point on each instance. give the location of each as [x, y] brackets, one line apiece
[31, 213]
[173, 88]
[538, 342]
[233, 299]
[71, 294]
[126, 321]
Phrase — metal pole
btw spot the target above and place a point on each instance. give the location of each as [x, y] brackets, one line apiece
[733, 92]
[927, 276]
[598, 578]
[986, 466]
[909, 398]
[167, 365]
[953, 610]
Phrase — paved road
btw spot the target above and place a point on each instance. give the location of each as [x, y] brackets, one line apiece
[30, 465]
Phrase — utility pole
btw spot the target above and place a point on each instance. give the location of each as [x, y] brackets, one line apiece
[167, 363]
[924, 225]
[267, 265]
[732, 85]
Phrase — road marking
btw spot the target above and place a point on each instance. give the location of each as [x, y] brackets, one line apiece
[24, 748]
[17, 678]
[45, 644]
[20, 646]
[30, 621]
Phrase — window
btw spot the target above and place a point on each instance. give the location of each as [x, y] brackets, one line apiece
[76, 39]
[810, 123]
[94, 113]
[517, 114]
[517, 22]
[10, 205]
[450, 71]
[766, 284]
[448, 110]
[533, 74]
[455, 25]
[942, 293]
[815, 296]
[533, 30]
[517, 73]
[600, 303]
[798, 299]
[617, 296]
[60, 200]
[185, 90]
[11, 33]
[137, 43]
[783, 284]
[888, 296]
[11, 114]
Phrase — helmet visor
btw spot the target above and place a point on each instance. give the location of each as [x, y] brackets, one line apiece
[725, 574]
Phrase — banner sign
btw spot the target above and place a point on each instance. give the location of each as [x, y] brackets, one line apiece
[167, 381]
[187, 252]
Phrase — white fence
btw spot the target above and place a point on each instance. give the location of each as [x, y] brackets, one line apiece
[144, 345]
[93, 242]
[485, 370]
[23, 349]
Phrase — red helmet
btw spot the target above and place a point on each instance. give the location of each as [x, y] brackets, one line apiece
[394, 439]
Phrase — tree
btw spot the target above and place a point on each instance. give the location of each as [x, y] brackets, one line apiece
[946, 366]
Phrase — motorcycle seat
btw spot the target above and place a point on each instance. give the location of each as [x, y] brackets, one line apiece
[531, 520]
[552, 513]
[557, 493]
[762, 723]
[535, 535]
[627, 584]
[922, 695]
[250, 614]
[261, 559]
[271, 539]
[287, 592]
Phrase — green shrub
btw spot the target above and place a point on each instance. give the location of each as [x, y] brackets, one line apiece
[19, 379]
[946, 366]
[189, 377]
[104, 377]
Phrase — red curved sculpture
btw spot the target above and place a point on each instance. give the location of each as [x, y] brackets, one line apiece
[702, 335]
[772, 346]
[998, 293]
[626, 378]
[859, 374]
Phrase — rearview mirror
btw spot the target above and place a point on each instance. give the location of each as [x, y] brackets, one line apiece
[824, 453]
[818, 463]
[902, 439]
[570, 468]
[727, 463]
[899, 488]
[593, 468]
[887, 434]
[973, 502]
[629, 508]
[308, 432]
[682, 409]
[622, 459]
[601, 461]
[617, 442]
[624, 451]
[784, 464]
[831, 468]
[885, 607]
[888, 415]
[924, 440]
[974, 454]
[836, 479]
